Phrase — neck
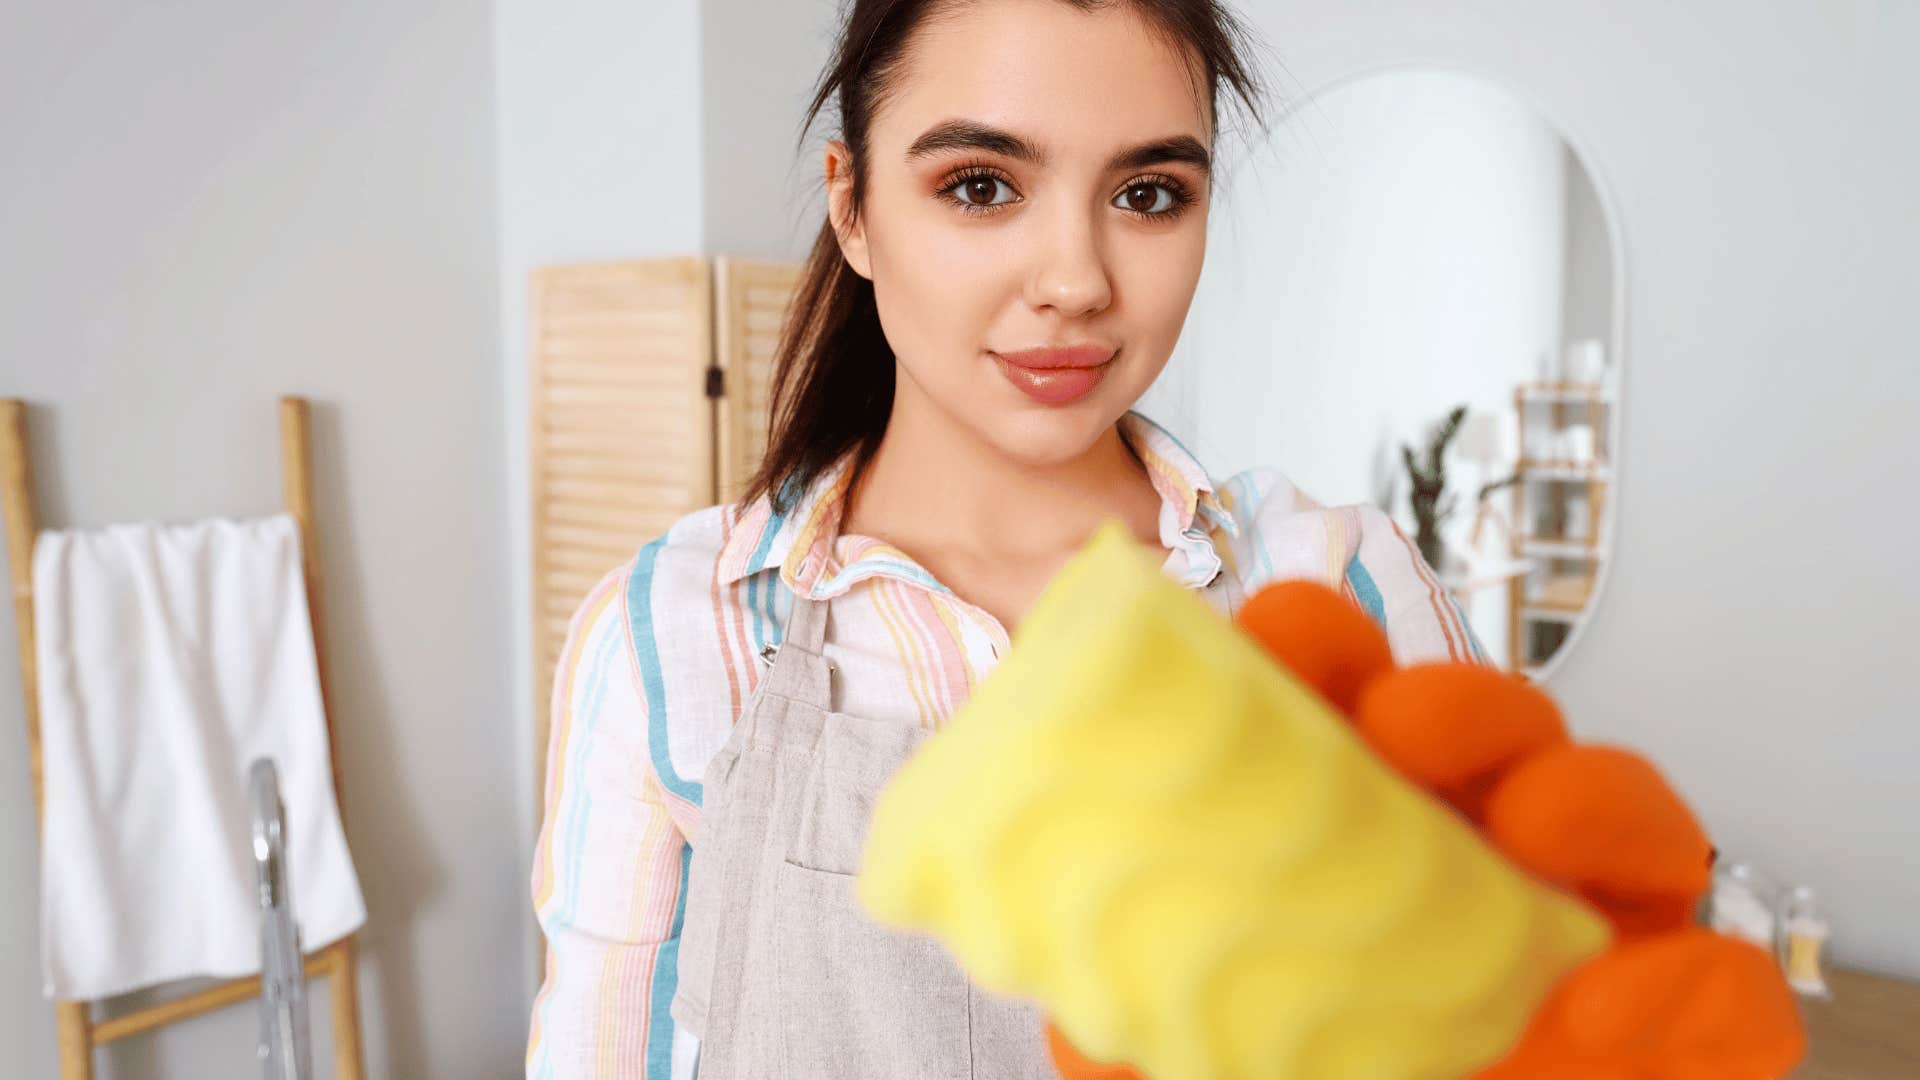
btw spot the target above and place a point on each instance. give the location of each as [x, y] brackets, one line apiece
[934, 483]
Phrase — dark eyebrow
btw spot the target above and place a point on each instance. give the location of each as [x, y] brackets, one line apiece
[1180, 148]
[968, 135]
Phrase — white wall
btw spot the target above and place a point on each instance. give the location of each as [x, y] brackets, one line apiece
[1757, 631]
[758, 61]
[208, 203]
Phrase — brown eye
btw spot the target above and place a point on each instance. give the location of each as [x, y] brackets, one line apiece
[980, 191]
[1146, 198]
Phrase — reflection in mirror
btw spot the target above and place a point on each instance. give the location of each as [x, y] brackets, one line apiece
[1411, 298]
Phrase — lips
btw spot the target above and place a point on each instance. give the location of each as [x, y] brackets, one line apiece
[1049, 359]
[1056, 376]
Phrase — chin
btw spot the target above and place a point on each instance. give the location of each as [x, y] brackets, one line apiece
[1048, 436]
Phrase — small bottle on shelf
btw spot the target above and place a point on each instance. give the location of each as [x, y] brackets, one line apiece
[1743, 904]
[1803, 933]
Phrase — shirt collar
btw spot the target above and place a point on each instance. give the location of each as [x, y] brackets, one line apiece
[802, 541]
[1177, 475]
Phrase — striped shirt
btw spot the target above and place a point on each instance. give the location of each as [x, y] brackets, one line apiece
[664, 653]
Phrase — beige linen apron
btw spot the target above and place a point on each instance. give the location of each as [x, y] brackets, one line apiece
[782, 975]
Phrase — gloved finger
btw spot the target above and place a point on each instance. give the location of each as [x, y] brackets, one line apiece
[1073, 1065]
[1602, 822]
[1455, 728]
[1323, 638]
[1686, 1005]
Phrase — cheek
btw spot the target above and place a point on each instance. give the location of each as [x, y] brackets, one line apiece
[1157, 276]
[1160, 276]
[938, 286]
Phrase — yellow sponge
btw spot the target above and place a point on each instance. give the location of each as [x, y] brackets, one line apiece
[1191, 862]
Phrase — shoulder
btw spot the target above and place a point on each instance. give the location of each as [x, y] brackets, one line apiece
[1358, 549]
[1250, 494]
[1264, 502]
[685, 632]
[663, 577]
[1282, 533]
[680, 565]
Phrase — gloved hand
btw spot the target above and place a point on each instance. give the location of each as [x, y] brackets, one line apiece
[1668, 1000]
[1209, 865]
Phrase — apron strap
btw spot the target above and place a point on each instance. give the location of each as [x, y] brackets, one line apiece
[807, 625]
[799, 671]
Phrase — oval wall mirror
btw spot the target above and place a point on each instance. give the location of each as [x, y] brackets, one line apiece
[1412, 297]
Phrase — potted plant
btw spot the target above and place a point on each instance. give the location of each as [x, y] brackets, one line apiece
[1430, 502]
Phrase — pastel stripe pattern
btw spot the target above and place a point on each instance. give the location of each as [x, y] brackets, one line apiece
[664, 653]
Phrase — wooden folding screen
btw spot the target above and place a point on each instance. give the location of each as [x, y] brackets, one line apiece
[647, 400]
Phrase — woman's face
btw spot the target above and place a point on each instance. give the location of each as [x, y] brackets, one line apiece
[1037, 180]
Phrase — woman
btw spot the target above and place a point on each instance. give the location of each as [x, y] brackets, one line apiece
[1017, 219]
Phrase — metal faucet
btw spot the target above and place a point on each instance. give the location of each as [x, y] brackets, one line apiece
[285, 1048]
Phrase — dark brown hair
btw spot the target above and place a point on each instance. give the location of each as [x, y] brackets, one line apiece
[833, 372]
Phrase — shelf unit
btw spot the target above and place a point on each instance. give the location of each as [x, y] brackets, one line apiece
[1565, 392]
[1546, 547]
[1545, 605]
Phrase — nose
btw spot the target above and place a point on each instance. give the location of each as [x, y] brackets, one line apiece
[1070, 271]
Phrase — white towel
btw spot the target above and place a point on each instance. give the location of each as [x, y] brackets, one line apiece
[170, 657]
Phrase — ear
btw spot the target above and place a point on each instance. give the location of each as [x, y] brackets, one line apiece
[838, 167]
